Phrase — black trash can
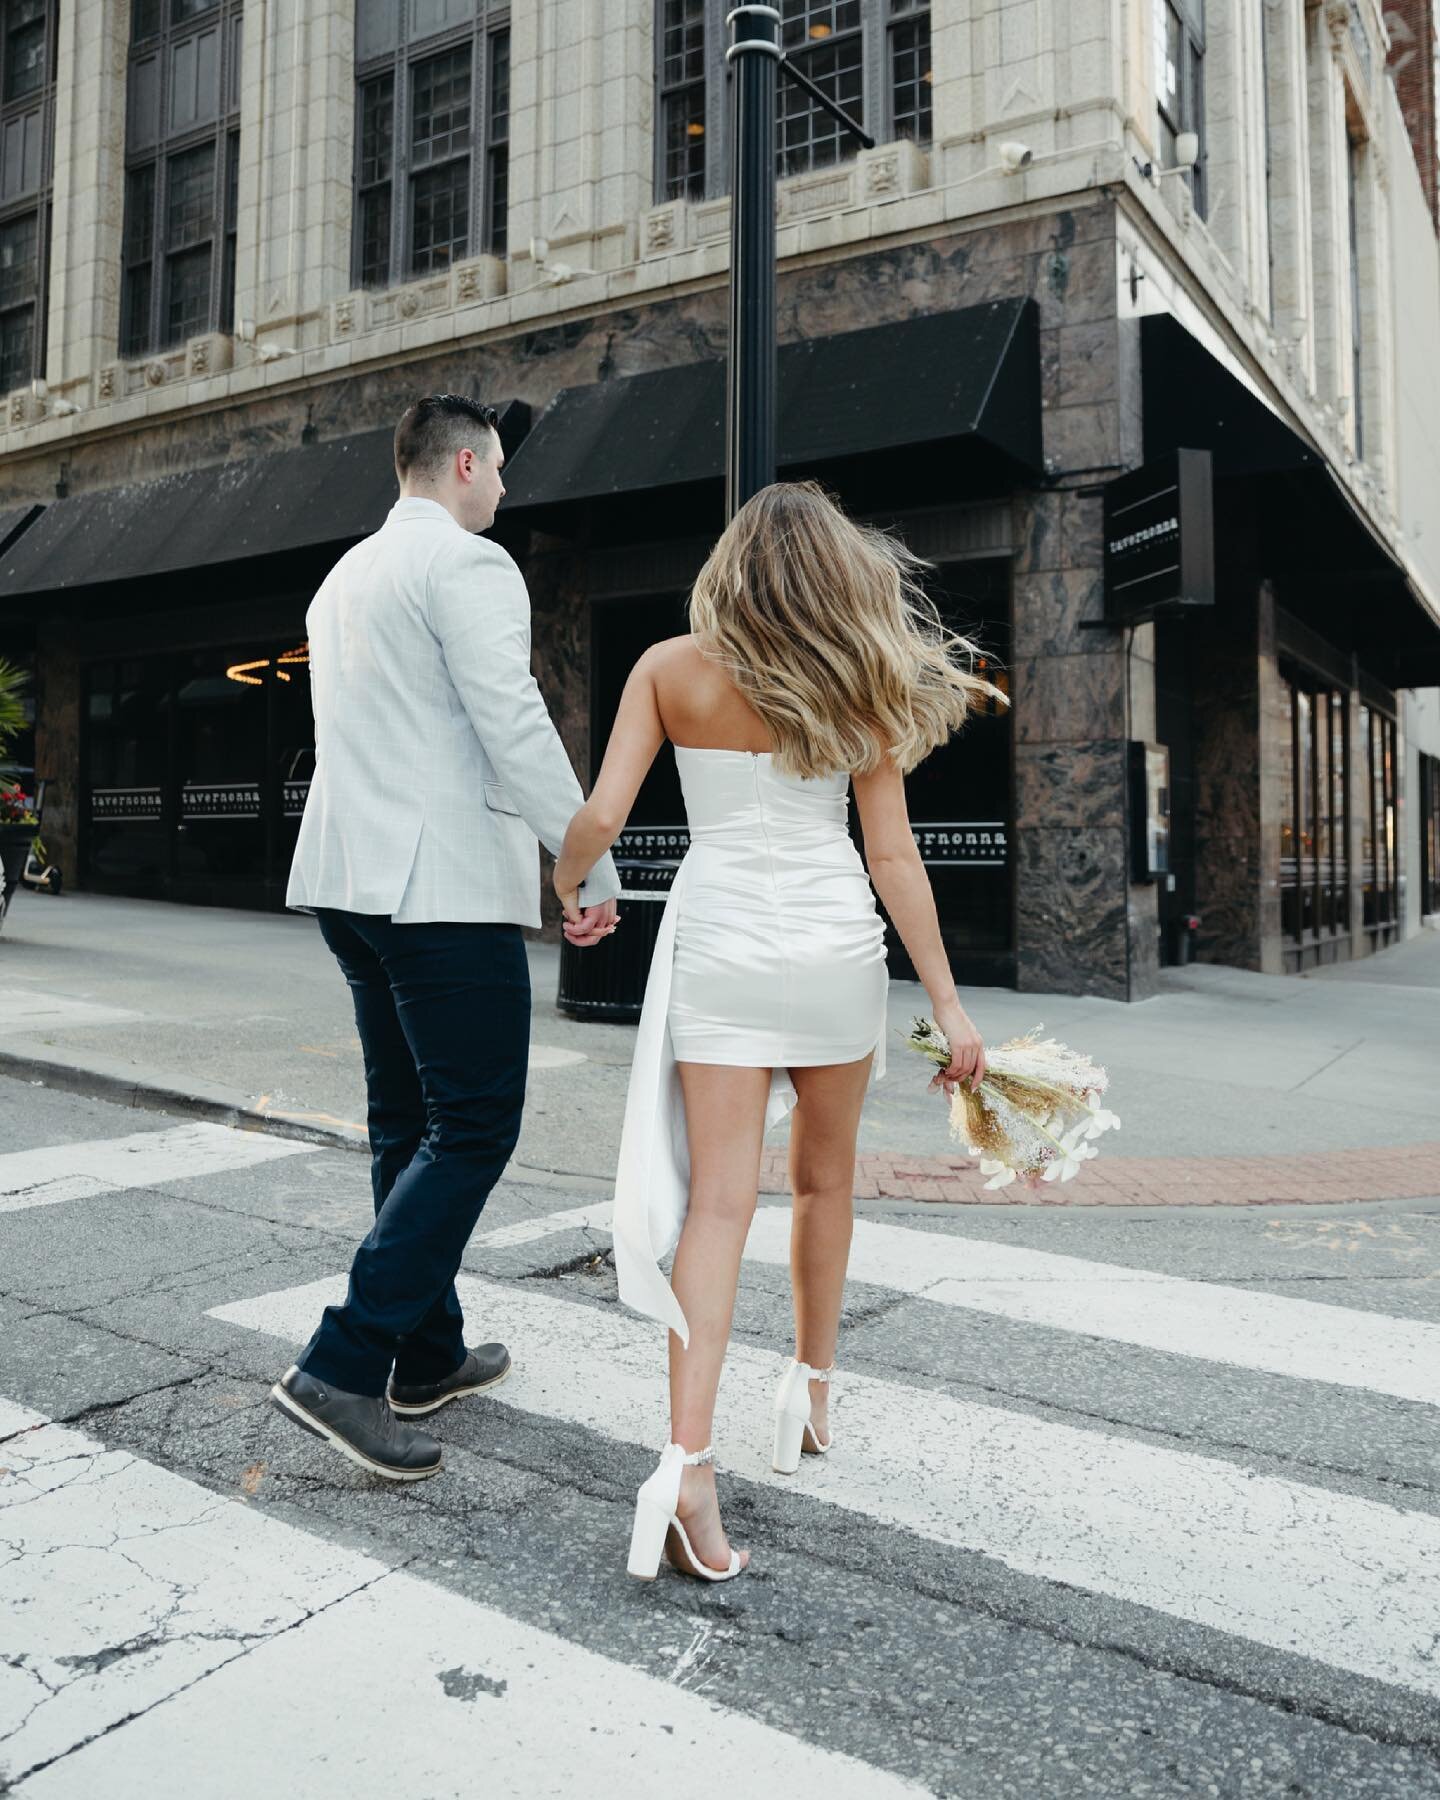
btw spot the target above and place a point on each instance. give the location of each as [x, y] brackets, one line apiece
[608, 981]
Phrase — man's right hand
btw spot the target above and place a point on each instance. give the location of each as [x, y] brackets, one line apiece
[589, 925]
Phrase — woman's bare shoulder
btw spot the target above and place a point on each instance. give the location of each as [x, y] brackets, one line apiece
[676, 653]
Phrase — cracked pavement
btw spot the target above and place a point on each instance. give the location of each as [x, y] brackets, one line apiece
[179, 1569]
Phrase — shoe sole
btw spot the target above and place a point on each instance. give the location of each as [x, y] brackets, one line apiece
[290, 1408]
[459, 1393]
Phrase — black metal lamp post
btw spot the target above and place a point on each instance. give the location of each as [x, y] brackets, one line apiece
[757, 59]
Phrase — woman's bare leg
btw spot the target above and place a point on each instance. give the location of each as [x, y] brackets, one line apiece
[725, 1125]
[822, 1178]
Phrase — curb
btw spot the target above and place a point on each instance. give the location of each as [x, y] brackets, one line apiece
[100, 1078]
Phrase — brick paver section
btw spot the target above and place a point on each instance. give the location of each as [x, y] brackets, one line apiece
[1394, 1172]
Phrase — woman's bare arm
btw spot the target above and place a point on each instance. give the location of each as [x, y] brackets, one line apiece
[904, 888]
[636, 737]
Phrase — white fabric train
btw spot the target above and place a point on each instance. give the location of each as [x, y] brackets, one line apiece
[770, 955]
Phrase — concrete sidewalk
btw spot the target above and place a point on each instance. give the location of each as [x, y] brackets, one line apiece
[220, 1010]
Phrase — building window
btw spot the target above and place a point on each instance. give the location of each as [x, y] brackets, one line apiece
[682, 99]
[432, 136]
[1314, 835]
[873, 59]
[182, 156]
[1355, 154]
[823, 39]
[1378, 851]
[1429, 836]
[1180, 83]
[27, 134]
[910, 75]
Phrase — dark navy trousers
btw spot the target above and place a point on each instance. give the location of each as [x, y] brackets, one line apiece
[443, 1013]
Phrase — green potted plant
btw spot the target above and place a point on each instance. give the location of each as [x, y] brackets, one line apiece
[17, 822]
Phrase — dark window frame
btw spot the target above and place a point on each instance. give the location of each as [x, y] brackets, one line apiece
[1356, 168]
[146, 322]
[1315, 869]
[1429, 835]
[883, 25]
[1188, 112]
[486, 153]
[37, 103]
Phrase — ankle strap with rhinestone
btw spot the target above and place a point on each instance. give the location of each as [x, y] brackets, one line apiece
[818, 1374]
[692, 1459]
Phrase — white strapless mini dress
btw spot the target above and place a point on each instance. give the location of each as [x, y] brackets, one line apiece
[771, 954]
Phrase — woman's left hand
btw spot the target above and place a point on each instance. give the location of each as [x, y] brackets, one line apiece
[587, 925]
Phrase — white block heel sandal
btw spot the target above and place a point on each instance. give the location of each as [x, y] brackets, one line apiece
[794, 1434]
[656, 1518]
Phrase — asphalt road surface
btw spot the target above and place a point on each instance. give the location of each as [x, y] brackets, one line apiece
[1123, 1502]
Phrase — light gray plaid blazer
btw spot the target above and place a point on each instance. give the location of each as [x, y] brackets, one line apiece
[436, 764]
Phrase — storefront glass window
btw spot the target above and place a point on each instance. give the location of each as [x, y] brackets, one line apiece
[1429, 835]
[1379, 843]
[196, 767]
[1314, 837]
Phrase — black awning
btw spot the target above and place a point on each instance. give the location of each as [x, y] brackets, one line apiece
[16, 520]
[968, 374]
[329, 493]
[1330, 566]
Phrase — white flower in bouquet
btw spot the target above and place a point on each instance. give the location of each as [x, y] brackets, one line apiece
[1036, 1113]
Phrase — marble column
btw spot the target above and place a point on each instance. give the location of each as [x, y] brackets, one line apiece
[57, 741]
[1240, 719]
[1081, 925]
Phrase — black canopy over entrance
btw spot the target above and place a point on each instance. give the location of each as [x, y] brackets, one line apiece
[227, 513]
[929, 382]
[1329, 566]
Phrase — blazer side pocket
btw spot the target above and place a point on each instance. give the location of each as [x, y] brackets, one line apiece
[498, 800]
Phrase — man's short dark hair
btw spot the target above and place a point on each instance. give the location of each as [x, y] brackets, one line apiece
[433, 429]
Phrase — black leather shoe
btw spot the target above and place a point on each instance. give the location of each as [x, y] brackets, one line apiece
[360, 1426]
[486, 1365]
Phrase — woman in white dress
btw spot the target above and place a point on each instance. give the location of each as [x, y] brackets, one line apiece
[815, 662]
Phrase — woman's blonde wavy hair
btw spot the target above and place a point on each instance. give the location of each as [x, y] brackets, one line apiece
[824, 627]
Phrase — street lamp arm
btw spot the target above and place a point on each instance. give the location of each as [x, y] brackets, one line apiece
[821, 98]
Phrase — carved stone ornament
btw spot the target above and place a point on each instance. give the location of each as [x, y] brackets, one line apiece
[344, 315]
[409, 305]
[155, 373]
[660, 230]
[17, 407]
[200, 357]
[467, 283]
[107, 382]
[884, 175]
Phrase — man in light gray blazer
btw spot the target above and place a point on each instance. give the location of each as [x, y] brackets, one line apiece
[436, 769]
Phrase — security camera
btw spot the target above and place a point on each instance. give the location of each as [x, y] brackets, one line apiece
[1187, 149]
[1015, 156]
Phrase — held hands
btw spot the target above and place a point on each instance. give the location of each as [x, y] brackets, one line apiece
[967, 1051]
[586, 926]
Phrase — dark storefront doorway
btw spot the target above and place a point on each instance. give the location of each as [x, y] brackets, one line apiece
[195, 767]
[960, 798]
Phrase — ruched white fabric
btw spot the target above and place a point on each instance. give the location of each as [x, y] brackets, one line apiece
[771, 954]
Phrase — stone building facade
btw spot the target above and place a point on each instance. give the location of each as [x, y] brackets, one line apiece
[256, 231]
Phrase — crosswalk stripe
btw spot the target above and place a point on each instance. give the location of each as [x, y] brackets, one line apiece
[213, 1614]
[1271, 1333]
[81, 1171]
[1348, 1581]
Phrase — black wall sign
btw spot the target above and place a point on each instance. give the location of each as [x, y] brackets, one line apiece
[1160, 538]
